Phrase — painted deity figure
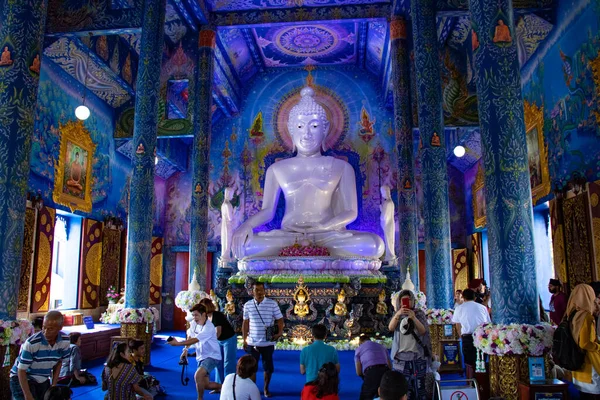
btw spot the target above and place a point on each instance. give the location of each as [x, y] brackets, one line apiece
[319, 191]
[35, 65]
[226, 224]
[5, 57]
[387, 222]
[502, 33]
[74, 180]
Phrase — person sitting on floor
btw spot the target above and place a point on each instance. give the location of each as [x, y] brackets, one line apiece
[150, 383]
[372, 362]
[393, 386]
[71, 373]
[120, 377]
[313, 357]
[242, 382]
[58, 393]
[325, 387]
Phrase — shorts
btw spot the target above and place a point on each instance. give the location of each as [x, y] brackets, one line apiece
[266, 352]
[209, 364]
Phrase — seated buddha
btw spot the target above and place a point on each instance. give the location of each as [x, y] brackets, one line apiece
[319, 191]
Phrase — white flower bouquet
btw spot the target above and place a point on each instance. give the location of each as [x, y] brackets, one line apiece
[439, 316]
[513, 339]
[137, 315]
[187, 299]
[15, 332]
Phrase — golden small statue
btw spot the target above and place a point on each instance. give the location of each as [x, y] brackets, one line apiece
[214, 299]
[5, 57]
[340, 307]
[435, 140]
[301, 296]
[230, 306]
[381, 308]
[35, 65]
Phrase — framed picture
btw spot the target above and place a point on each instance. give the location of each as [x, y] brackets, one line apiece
[537, 151]
[73, 169]
[478, 190]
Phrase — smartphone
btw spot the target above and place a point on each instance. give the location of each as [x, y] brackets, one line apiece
[405, 302]
[170, 338]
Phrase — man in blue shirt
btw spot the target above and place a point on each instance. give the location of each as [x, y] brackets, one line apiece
[40, 359]
[314, 356]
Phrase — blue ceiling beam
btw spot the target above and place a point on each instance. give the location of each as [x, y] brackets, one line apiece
[185, 14]
[233, 72]
[361, 43]
[199, 11]
[253, 48]
[83, 18]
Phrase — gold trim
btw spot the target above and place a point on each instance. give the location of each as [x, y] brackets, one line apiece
[76, 133]
[479, 184]
[534, 121]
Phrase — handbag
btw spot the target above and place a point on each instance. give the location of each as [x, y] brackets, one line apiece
[270, 330]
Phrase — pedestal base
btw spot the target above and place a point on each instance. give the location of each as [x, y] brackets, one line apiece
[5, 371]
[507, 371]
[140, 331]
[310, 266]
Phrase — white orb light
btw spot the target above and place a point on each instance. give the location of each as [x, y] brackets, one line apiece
[82, 112]
[459, 151]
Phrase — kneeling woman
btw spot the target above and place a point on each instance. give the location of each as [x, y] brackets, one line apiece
[325, 387]
[411, 348]
[120, 377]
[203, 335]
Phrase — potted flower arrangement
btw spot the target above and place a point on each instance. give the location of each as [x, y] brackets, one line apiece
[439, 316]
[112, 295]
[514, 339]
[15, 332]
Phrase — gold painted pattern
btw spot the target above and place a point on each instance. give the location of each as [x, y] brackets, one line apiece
[578, 240]
[534, 125]
[25, 279]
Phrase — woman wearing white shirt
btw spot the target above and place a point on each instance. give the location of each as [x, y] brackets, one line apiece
[203, 335]
[241, 386]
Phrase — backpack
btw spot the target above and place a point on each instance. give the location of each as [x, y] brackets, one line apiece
[565, 350]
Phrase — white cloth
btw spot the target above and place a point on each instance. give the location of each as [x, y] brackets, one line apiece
[269, 312]
[590, 388]
[407, 342]
[470, 315]
[245, 389]
[207, 346]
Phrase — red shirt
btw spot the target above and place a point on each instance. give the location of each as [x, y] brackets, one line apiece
[558, 306]
[310, 393]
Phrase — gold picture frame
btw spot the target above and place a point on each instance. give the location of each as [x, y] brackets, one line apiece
[537, 151]
[478, 191]
[72, 177]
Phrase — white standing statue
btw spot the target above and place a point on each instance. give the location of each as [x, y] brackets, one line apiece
[226, 224]
[319, 191]
[387, 222]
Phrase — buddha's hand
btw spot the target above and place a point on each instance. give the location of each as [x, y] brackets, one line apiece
[239, 239]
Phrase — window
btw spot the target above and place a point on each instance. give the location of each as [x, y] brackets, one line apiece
[65, 262]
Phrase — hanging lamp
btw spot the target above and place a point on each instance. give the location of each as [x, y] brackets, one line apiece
[82, 112]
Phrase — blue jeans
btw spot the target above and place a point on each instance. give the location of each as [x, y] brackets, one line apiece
[37, 389]
[229, 355]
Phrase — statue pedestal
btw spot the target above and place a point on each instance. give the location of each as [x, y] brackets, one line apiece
[306, 266]
[5, 371]
[506, 372]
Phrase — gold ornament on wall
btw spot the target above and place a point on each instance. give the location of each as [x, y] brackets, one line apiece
[73, 169]
[301, 297]
[478, 191]
[340, 307]
[537, 151]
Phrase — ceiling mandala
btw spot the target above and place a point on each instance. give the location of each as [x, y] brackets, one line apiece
[294, 45]
[239, 5]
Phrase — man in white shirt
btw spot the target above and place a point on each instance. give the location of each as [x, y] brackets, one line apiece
[260, 313]
[469, 315]
[203, 335]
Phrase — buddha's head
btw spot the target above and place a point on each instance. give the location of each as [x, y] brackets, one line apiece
[308, 124]
[385, 192]
[228, 193]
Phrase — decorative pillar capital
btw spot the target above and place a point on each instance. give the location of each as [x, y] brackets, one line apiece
[398, 28]
[207, 38]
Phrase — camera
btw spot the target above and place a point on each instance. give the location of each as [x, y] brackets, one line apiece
[183, 360]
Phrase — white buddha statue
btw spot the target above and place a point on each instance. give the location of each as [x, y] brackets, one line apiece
[387, 222]
[226, 224]
[319, 191]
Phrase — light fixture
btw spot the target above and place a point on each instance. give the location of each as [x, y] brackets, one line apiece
[83, 112]
[459, 151]
[155, 160]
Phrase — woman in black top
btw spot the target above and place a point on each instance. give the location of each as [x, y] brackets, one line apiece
[227, 340]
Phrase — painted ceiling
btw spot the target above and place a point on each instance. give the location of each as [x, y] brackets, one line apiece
[239, 5]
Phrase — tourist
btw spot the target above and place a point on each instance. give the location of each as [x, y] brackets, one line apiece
[313, 357]
[411, 348]
[393, 386]
[596, 287]
[227, 340]
[582, 304]
[372, 361]
[242, 382]
[203, 335]
[482, 292]
[469, 316]
[261, 315]
[325, 387]
[120, 377]
[458, 299]
[40, 359]
[70, 372]
[138, 354]
[558, 301]
[58, 393]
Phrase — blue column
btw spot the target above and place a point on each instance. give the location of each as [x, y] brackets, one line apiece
[200, 157]
[139, 229]
[407, 200]
[507, 186]
[433, 155]
[22, 26]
